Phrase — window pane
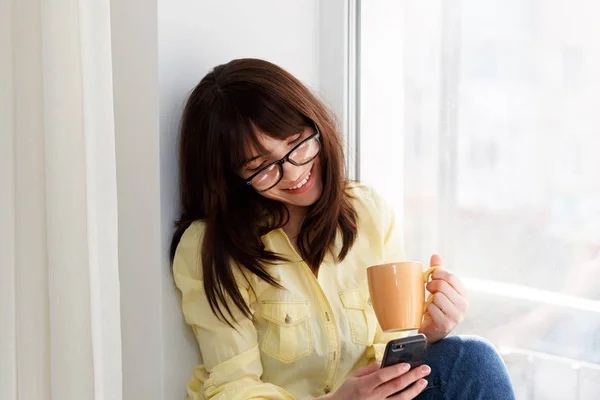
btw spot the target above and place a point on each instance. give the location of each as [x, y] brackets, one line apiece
[499, 121]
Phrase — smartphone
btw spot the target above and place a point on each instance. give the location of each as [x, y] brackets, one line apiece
[409, 350]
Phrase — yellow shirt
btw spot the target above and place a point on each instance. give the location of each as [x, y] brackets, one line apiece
[305, 340]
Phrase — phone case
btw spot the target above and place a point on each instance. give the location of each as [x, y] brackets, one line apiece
[410, 350]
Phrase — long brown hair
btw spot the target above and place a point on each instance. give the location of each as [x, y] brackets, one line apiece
[218, 125]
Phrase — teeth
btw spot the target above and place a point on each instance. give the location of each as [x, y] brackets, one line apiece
[298, 186]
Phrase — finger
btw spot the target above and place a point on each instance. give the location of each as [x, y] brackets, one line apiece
[435, 260]
[440, 320]
[402, 382]
[413, 391]
[385, 375]
[369, 369]
[441, 286]
[447, 307]
[452, 279]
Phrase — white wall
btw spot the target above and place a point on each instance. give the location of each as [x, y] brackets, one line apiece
[160, 51]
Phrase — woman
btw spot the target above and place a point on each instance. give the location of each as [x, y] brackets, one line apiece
[271, 252]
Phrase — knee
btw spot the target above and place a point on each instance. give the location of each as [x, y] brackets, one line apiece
[471, 365]
[472, 349]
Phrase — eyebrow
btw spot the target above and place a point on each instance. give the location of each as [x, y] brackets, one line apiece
[249, 160]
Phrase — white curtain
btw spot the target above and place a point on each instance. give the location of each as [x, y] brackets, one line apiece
[59, 286]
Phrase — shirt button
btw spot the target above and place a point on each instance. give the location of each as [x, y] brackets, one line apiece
[327, 390]
[369, 302]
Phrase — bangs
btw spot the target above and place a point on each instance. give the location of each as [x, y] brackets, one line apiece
[256, 112]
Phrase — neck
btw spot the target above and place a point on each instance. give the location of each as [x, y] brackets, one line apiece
[292, 228]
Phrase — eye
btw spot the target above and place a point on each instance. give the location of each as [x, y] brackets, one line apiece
[262, 164]
[296, 140]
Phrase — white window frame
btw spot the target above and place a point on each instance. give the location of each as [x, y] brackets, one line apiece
[338, 68]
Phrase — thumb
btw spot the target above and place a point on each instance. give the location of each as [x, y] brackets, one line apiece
[436, 260]
[368, 370]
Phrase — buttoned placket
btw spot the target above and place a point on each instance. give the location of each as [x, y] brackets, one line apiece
[332, 333]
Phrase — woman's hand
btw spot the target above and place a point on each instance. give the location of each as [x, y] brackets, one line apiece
[375, 383]
[449, 306]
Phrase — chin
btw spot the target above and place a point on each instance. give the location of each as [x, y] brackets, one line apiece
[311, 197]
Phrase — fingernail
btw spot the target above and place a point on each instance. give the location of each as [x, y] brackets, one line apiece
[422, 383]
[404, 367]
[425, 369]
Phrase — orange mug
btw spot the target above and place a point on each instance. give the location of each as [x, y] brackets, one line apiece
[398, 294]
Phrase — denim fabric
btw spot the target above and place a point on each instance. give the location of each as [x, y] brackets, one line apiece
[466, 367]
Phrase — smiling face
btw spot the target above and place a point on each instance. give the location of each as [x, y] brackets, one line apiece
[300, 186]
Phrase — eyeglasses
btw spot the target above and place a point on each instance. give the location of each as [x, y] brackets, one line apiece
[270, 175]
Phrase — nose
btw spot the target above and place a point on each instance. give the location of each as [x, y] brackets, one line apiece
[291, 173]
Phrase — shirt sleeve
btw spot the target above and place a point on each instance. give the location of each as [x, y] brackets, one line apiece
[232, 367]
[393, 249]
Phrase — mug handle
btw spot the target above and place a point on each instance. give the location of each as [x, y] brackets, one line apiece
[426, 276]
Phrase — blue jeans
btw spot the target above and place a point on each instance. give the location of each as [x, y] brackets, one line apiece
[466, 367]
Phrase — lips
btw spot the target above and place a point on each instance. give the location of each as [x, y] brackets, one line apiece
[302, 182]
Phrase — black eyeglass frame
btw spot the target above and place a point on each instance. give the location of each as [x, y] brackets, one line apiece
[280, 162]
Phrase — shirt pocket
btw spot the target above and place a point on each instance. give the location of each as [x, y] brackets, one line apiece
[288, 337]
[361, 316]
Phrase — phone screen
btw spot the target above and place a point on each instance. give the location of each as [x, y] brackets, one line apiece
[409, 350]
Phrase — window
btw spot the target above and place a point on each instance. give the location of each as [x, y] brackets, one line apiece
[480, 120]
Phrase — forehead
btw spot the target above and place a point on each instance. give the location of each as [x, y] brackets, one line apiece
[265, 143]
